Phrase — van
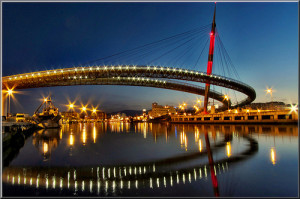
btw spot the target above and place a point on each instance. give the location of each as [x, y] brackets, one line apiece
[20, 117]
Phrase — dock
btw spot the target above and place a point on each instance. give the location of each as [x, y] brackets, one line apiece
[271, 117]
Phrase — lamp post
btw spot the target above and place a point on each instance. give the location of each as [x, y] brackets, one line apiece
[270, 91]
[10, 92]
[226, 97]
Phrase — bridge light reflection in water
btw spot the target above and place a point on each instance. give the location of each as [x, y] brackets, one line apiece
[142, 172]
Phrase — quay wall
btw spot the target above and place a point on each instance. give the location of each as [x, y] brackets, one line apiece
[282, 116]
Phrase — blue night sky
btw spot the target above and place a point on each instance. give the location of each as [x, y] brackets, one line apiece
[261, 39]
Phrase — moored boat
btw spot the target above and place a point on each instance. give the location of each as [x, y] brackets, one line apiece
[49, 117]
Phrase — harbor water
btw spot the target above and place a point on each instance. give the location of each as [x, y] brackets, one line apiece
[155, 159]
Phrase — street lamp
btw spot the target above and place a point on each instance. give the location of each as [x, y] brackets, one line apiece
[196, 108]
[10, 92]
[226, 97]
[270, 91]
[83, 108]
[71, 106]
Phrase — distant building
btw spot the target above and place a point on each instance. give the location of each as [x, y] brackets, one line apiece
[101, 115]
[267, 106]
[159, 110]
[98, 116]
[69, 116]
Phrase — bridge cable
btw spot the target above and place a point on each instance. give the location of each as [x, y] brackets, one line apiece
[93, 61]
[144, 49]
[201, 53]
[161, 48]
[172, 50]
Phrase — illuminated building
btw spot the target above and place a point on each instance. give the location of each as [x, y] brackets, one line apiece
[69, 116]
[159, 110]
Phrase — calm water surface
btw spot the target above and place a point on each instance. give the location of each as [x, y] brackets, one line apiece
[122, 159]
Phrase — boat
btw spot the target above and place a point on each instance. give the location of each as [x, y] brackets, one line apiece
[49, 117]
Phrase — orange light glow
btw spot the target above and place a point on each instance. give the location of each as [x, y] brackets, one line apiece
[10, 91]
[84, 136]
[273, 156]
[94, 134]
[45, 147]
[228, 149]
[200, 145]
[71, 140]
[226, 97]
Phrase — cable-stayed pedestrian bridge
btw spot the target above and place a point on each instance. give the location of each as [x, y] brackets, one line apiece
[131, 75]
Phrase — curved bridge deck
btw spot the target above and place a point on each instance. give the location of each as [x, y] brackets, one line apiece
[151, 76]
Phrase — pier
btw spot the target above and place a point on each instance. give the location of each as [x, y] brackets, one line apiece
[267, 116]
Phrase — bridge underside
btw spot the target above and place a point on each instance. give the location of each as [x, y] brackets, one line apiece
[131, 76]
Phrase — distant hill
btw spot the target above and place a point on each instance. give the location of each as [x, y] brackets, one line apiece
[128, 112]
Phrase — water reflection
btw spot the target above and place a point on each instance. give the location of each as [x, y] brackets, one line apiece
[46, 140]
[207, 151]
[273, 156]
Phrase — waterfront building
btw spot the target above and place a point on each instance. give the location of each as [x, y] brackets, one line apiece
[159, 110]
[69, 116]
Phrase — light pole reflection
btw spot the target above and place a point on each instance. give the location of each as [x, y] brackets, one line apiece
[273, 155]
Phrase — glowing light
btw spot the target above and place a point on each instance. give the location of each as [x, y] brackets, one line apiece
[269, 90]
[294, 108]
[151, 186]
[37, 183]
[10, 91]
[61, 183]
[94, 134]
[82, 185]
[54, 182]
[83, 108]
[226, 97]
[45, 99]
[45, 147]
[71, 140]
[71, 106]
[200, 145]
[84, 136]
[228, 149]
[273, 156]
